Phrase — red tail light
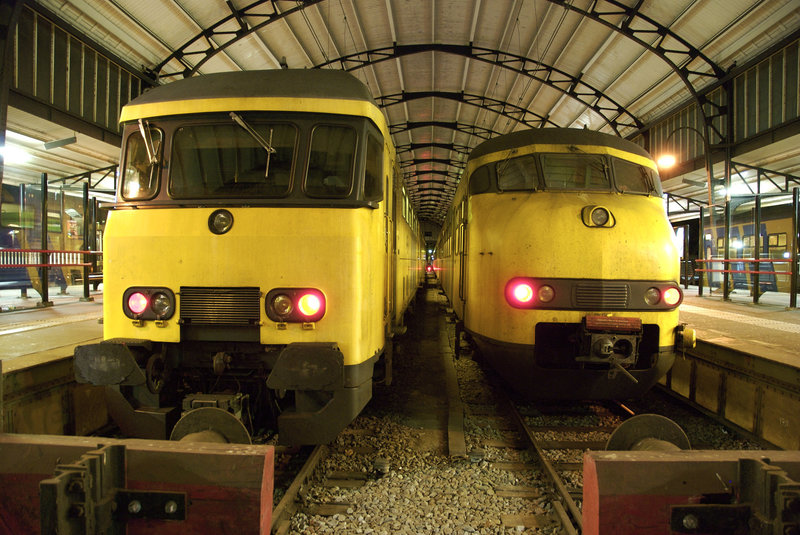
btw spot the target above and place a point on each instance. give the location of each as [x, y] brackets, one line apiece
[522, 292]
[529, 293]
[309, 304]
[429, 268]
[148, 303]
[137, 302]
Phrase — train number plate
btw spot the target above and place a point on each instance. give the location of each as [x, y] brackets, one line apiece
[613, 323]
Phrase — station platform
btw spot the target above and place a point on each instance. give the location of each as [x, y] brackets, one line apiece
[769, 329]
[30, 335]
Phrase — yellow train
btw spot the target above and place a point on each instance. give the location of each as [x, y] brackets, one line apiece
[259, 258]
[559, 262]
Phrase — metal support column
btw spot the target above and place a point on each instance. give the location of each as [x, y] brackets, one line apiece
[701, 252]
[793, 264]
[86, 243]
[44, 258]
[757, 250]
[726, 244]
[686, 262]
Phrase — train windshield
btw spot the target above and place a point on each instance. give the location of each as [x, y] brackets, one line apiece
[142, 157]
[634, 178]
[330, 162]
[575, 172]
[232, 160]
[517, 174]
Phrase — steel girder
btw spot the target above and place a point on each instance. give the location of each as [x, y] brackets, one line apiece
[464, 128]
[682, 57]
[214, 39]
[422, 161]
[459, 149]
[612, 112]
[506, 109]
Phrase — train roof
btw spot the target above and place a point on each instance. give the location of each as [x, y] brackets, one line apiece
[290, 83]
[556, 136]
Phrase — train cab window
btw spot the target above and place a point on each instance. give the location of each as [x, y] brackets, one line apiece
[373, 171]
[142, 164]
[518, 173]
[330, 162]
[480, 181]
[575, 172]
[228, 160]
[634, 178]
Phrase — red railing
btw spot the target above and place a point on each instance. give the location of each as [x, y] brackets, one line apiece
[16, 258]
[744, 261]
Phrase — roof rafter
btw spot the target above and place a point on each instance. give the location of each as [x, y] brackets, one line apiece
[215, 39]
[612, 112]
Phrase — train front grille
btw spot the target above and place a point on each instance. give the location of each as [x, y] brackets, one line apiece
[220, 306]
[600, 295]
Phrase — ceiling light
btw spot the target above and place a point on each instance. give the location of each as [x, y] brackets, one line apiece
[666, 161]
[50, 145]
[15, 155]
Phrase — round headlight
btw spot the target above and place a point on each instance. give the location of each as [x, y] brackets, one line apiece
[220, 221]
[672, 296]
[652, 296]
[161, 304]
[282, 305]
[600, 216]
[546, 293]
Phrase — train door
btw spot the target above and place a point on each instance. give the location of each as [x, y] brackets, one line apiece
[389, 218]
[462, 250]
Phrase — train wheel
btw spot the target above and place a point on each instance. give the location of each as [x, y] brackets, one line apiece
[155, 373]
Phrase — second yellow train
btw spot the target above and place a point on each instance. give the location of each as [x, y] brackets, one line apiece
[559, 262]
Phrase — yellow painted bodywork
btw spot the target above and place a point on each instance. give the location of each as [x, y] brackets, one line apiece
[344, 252]
[266, 248]
[541, 234]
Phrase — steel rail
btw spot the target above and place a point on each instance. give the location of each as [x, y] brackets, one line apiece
[282, 513]
[572, 509]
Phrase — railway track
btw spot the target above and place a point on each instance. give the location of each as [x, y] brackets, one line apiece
[519, 468]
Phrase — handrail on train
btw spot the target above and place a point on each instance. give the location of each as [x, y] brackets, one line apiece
[45, 259]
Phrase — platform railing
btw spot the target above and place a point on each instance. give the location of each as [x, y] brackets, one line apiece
[754, 270]
[46, 259]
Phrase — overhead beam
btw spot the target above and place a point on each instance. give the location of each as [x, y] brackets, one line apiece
[464, 128]
[506, 109]
[460, 149]
[218, 36]
[612, 112]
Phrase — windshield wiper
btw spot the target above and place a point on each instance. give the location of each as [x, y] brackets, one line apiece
[147, 137]
[266, 145]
